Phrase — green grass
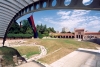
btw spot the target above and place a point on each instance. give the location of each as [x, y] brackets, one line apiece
[8, 54]
[66, 45]
[28, 50]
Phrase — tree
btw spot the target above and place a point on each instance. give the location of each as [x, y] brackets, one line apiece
[24, 31]
[69, 32]
[44, 31]
[26, 27]
[63, 32]
[14, 28]
[51, 30]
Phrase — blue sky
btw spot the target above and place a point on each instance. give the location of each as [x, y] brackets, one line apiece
[88, 19]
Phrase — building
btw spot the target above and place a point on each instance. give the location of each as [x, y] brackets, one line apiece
[86, 35]
[65, 29]
[62, 35]
[78, 34]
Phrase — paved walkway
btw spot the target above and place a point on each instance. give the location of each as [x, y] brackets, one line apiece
[80, 58]
[31, 64]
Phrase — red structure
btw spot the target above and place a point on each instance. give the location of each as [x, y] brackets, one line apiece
[62, 35]
[78, 34]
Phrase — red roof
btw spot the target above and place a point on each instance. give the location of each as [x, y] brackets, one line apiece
[63, 34]
[92, 33]
[79, 29]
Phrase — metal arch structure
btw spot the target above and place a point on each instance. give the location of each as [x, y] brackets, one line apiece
[11, 10]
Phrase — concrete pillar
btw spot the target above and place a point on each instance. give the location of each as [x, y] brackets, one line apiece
[60, 36]
[70, 36]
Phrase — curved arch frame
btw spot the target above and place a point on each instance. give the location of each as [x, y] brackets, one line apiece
[75, 4]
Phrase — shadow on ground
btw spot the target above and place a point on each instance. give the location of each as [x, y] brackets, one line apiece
[7, 54]
[97, 40]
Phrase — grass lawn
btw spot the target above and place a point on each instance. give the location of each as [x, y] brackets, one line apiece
[28, 50]
[57, 48]
[8, 54]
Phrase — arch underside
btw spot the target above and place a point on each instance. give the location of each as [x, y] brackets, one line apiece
[11, 10]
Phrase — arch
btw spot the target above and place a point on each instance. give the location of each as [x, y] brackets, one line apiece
[87, 2]
[54, 2]
[44, 4]
[67, 2]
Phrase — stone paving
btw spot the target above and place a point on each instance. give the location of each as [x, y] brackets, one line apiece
[79, 58]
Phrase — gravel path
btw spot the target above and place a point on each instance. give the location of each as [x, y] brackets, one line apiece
[42, 54]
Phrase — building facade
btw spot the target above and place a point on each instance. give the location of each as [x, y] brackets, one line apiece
[85, 35]
[78, 34]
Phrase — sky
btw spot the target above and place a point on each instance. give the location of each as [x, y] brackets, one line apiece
[87, 19]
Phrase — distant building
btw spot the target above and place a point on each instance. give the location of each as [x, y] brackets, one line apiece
[77, 34]
[86, 35]
[57, 31]
[65, 29]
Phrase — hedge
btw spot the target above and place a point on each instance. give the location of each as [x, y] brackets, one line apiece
[19, 35]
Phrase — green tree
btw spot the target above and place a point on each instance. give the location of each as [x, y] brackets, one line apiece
[44, 31]
[51, 29]
[63, 32]
[26, 27]
[14, 28]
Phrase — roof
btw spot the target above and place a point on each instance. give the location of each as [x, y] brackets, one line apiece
[62, 34]
[92, 33]
[79, 29]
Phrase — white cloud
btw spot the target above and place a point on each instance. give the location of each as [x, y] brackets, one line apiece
[97, 27]
[39, 22]
[85, 1]
[78, 13]
[67, 0]
[63, 13]
[72, 18]
[75, 19]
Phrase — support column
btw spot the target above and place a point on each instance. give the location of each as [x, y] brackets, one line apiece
[77, 36]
